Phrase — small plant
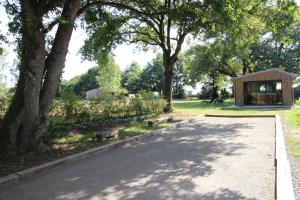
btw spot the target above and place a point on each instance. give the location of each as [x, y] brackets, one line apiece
[70, 103]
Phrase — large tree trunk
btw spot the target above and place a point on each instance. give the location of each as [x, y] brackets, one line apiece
[19, 123]
[39, 76]
[56, 59]
[168, 84]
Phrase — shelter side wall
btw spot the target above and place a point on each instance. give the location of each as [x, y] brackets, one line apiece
[287, 93]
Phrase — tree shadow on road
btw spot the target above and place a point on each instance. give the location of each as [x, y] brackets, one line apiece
[163, 167]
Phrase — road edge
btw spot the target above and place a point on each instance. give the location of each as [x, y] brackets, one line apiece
[28, 173]
[283, 178]
[284, 184]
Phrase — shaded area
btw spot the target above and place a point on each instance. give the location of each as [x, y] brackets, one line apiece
[172, 166]
[63, 143]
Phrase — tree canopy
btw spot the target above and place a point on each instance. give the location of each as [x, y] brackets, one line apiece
[237, 36]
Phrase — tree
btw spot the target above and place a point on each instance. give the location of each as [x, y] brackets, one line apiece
[152, 77]
[80, 84]
[41, 63]
[180, 80]
[164, 24]
[109, 75]
[131, 78]
[281, 47]
[250, 42]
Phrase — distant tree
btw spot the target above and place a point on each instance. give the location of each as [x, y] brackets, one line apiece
[3, 79]
[80, 84]
[131, 78]
[180, 80]
[152, 77]
[109, 75]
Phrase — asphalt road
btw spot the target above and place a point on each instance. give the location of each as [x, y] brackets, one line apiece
[212, 158]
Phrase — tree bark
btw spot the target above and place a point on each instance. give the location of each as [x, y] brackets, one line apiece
[168, 84]
[39, 76]
[56, 59]
[21, 119]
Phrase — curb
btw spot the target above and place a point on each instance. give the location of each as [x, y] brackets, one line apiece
[28, 173]
[284, 184]
[284, 189]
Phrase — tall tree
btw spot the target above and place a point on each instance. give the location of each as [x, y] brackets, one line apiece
[164, 24]
[152, 77]
[180, 81]
[40, 67]
[109, 75]
[131, 78]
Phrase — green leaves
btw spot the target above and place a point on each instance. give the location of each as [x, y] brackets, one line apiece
[109, 75]
[104, 32]
[131, 78]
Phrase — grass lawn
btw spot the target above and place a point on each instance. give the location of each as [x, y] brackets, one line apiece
[290, 117]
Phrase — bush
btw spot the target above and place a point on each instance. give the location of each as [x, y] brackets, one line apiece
[70, 103]
[108, 106]
[297, 102]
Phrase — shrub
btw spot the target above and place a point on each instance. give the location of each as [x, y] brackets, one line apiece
[108, 106]
[70, 103]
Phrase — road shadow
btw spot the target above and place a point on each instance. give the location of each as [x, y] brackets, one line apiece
[161, 167]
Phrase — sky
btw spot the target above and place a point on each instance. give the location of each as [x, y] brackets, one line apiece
[124, 54]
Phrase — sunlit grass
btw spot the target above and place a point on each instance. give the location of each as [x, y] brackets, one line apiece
[186, 109]
[290, 117]
[136, 128]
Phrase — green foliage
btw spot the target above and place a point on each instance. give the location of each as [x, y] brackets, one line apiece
[109, 75]
[70, 104]
[71, 110]
[179, 81]
[259, 36]
[80, 84]
[152, 77]
[131, 78]
[106, 75]
[103, 30]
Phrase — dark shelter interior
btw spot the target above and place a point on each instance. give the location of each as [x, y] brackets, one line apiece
[263, 93]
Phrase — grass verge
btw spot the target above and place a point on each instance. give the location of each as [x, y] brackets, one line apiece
[290, 116]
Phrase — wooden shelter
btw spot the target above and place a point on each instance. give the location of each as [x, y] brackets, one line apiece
[268, 87]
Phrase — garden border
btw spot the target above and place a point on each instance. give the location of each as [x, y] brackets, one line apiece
[25, 174]
[283, 180]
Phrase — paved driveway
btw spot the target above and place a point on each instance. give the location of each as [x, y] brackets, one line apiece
[212, 158]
